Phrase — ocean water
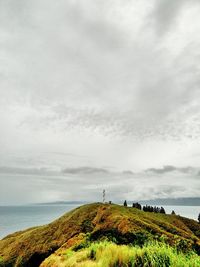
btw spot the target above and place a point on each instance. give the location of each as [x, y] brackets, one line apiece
[15, 218]
[191, 212]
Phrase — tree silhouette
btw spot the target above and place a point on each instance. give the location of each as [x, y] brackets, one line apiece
[199, 218]
[125, 203]
[173, 212]
[137, 206]
[162, 210]
[155, 209]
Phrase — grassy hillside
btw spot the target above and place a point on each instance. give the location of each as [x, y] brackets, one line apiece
[89, 223]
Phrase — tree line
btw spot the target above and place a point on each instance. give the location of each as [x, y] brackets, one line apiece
[146, 207]
[152, 209]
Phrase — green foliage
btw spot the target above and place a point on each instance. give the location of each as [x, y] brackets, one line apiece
[114, 235]
[83, 244]
[87, 226]
[107, 254]
[183, 245]
[157, 259]
[196, 247]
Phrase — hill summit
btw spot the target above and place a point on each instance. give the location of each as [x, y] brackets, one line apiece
[96, 222]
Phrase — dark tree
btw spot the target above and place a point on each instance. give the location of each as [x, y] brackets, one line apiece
[155, 209]
[145, 208]
[125, 203]
[137, 206]
[151, 208]
[173, 212]
[199, 218]
[162, 210]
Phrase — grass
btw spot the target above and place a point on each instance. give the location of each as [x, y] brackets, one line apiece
[97, 221]
[107, 254]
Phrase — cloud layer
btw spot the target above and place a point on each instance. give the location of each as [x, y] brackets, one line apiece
[111, 85]
[86, 183]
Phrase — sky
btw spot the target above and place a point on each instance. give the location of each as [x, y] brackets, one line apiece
[99, 94]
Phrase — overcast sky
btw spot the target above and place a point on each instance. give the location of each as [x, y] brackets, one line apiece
[99, 94]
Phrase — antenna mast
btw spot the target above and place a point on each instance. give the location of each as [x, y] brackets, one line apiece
[104, 196]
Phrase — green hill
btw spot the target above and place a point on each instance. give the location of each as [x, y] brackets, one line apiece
[81, 227]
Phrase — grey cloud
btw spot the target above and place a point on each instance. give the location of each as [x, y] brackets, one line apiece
[45, 171]
[169, 168]
[128, 172]
[93, 76]
[162, 170]
[118, 185]
[163, 191]
[26, 171]
[167, 190]
[89, 81]
[84, 170]
[165, 13]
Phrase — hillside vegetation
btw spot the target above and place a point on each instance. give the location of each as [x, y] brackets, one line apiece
[81, 228]
[107, 254]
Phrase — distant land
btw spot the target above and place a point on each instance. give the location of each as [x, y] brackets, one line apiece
[187, 201]
[62, 203]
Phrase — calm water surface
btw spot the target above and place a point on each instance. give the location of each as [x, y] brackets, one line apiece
[15, 218]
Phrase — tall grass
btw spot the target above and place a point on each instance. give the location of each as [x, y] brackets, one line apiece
[107, 254]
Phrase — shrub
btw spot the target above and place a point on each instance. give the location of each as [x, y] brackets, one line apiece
[117, 237]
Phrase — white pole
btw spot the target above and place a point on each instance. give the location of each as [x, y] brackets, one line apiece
[104, 196]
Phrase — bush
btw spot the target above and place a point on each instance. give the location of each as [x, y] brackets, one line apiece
[117, 237]
[183, 245]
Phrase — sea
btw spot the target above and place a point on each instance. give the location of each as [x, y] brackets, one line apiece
[16, 218]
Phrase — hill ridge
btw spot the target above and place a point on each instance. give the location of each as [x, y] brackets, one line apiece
[125, 225]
